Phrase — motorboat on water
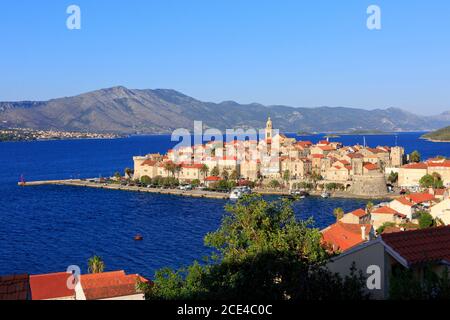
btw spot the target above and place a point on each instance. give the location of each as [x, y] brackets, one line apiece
[325, 194]
[239, 192]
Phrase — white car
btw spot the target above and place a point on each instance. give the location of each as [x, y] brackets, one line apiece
[185, 188]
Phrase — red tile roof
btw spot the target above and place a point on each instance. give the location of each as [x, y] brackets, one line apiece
[419, 165]
[371, 166]
[50, 286]
[318, 156]
[343, 236]
[440, 163]
[420, 197]
[355, 155]
[109, 285]
[150, 163]
[388, 210]
[421, 246]
[405, 201]
[212, 179]
[359, 213]
[14, 287]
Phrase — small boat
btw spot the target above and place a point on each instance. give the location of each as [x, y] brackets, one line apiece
[325, 195]
[235, 194]
[238, 192]
[138, 237]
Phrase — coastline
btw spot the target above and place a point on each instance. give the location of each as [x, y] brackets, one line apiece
[189, 193]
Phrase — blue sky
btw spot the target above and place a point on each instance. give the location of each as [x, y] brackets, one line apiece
[298, 53]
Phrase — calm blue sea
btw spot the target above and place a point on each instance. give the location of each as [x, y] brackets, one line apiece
[46, 229]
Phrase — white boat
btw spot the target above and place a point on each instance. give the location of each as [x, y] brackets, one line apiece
[238, 192]
[325, 195]
[235, 194]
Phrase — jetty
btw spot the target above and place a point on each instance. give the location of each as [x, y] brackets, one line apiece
[109, 186]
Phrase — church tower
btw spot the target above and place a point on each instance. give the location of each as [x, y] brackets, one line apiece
[269, 130]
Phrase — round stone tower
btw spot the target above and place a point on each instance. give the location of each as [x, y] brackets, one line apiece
[373, 185]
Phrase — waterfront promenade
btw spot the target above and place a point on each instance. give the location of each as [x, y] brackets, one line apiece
[187, 193]
[88, 184]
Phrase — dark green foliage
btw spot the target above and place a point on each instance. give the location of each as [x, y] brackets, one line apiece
[261, 252]
[405, 285]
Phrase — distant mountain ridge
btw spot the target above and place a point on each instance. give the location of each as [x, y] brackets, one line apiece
[130, 111]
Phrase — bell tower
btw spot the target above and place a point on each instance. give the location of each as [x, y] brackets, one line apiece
[269, 130]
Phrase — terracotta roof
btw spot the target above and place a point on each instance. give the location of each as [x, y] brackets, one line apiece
[404, 201]
[327, 148]
[50, 286]
[16, 287]
[420, 197]
[441, 163]
[355, 155]
[318, 156]
[421, 246]
[213, 178]
[150, 163]
[343, 236]
[192, 166]
[371, 166]
[359, 213]
[388, 210]
[419, 165]
[109, 285]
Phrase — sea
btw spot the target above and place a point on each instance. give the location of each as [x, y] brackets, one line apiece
[49, 228]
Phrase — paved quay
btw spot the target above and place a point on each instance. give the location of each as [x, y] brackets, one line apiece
[87, 184]
[185, 193]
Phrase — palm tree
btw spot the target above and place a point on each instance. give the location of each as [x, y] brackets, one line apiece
[96, 265]
[204, 170]
[369, 206]
[234, 175]
[128, 172]
[338, 213]
[170, 167]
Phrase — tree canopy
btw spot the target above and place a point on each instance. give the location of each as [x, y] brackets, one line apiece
[260, 251]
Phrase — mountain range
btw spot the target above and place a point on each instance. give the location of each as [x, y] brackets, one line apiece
[130, 111]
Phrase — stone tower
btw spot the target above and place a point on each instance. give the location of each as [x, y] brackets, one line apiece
[269, 130]
[357, 166]
[397, 156]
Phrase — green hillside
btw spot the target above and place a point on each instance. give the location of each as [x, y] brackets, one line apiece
[439, 135]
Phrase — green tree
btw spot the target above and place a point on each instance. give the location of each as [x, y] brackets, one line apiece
[404, 285]
[225, 175]
[146, 180]
[426, 181]
[234, 175]
[274, 184]
[338, 213]
[195, 183]
[385, 225]
[204, 170]
[415, 156]
[96, 265]
[215, 172]
[261, 252]
[425, 220]
[369, 206]
[117, 175]
[393, 177]
[286, 176]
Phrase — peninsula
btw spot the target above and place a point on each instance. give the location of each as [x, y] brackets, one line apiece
[441, 135]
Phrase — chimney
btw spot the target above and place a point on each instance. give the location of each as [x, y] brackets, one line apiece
[363, 233]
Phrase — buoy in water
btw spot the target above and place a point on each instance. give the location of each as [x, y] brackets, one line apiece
[138, 237]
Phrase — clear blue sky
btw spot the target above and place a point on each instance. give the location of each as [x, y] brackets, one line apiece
[299, 53]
